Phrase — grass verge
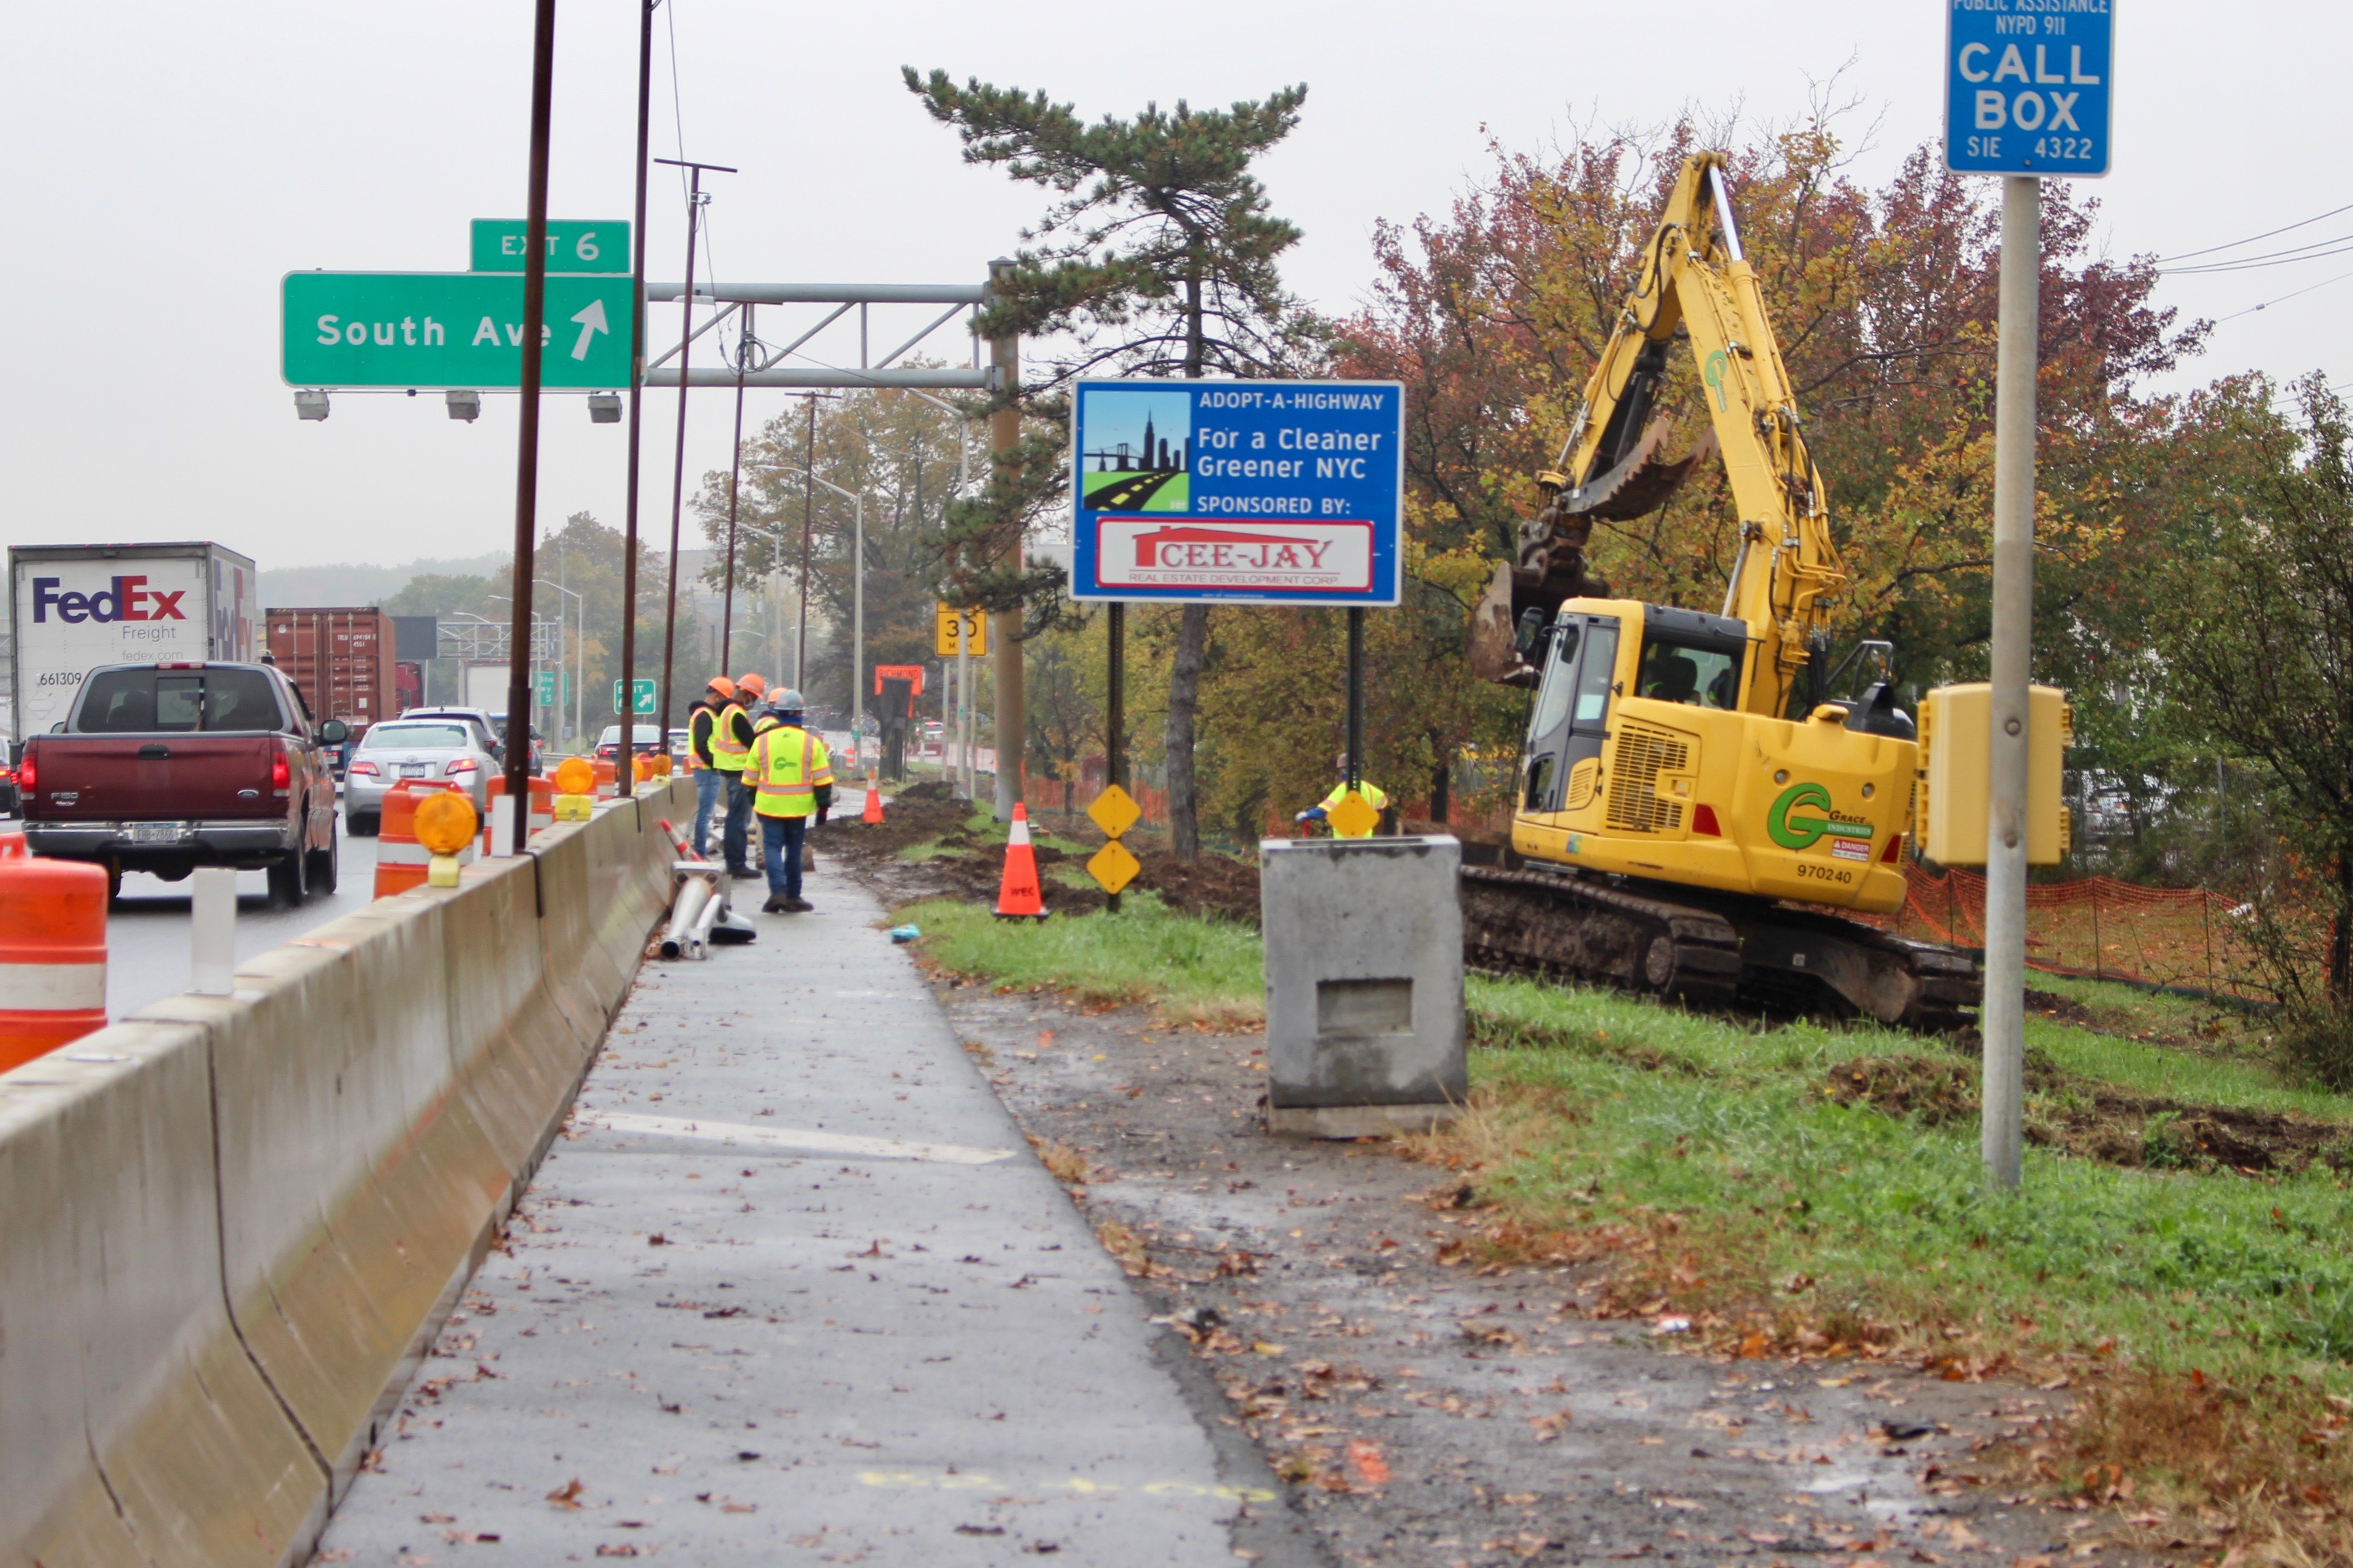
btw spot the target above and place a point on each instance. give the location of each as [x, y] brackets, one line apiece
[2208, 1315]
[1200, 971]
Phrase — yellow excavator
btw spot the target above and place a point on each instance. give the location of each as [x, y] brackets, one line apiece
[1694, 804]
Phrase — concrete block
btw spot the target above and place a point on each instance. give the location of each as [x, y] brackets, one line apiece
[1363, 983]
[134, 1428]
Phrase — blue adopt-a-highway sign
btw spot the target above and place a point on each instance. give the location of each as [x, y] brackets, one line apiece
[1272, 493]
[2028, 85]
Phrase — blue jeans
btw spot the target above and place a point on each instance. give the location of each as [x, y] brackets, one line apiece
[737, 839]
[706, 801]
[781, 838]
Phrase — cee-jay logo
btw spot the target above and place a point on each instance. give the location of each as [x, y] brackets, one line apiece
[120, 602]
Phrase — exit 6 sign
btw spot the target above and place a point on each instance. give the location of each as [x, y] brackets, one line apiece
[2028, 86]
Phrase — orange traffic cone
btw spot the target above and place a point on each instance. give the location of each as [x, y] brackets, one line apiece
[873, 801]
[1017, 896]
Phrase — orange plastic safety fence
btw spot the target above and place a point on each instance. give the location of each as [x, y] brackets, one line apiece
[2099, 927]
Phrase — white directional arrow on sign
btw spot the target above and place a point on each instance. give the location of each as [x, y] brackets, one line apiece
[592, 321]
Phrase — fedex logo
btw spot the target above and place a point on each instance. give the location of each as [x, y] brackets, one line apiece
[120, 603]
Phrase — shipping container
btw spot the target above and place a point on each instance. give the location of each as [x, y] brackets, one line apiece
[341, 659]
[76, 606]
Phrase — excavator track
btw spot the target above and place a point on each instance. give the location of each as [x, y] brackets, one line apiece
[1718, 952]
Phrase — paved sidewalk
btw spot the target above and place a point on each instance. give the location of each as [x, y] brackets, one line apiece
[792, 1288]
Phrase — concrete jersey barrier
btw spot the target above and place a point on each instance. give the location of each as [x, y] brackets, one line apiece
[234, 1222]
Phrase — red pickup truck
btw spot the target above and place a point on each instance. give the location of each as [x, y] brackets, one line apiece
[166, 767]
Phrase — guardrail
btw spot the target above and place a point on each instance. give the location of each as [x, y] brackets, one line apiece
[232, 1224]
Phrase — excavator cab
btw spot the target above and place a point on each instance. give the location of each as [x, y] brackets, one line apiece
[1640, 761]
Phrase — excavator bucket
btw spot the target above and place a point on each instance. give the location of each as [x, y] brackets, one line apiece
[1642, 482]
[1552, 566]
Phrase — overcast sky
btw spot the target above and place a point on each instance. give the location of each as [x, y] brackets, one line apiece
[167, 163]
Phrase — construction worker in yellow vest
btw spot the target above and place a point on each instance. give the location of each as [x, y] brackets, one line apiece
[701, 725]
[730, 750]
[791, 776]
[1321, 810]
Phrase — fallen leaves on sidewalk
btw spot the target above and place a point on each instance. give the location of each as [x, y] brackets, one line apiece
[567, 1495]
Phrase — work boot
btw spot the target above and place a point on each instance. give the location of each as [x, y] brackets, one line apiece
[776, 907]
[745, 873]
[798, 906]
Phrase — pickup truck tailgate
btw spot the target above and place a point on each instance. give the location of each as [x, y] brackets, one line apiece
[131, 778]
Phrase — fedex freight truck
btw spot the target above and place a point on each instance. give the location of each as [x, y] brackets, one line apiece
[76, 607]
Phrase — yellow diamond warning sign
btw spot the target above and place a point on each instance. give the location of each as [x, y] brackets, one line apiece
[1114, 811]
[1354, 818]
[1114, 867]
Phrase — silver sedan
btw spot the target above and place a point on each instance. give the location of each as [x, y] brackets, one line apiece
[441, 750]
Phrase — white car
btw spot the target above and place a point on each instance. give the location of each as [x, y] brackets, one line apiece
[441, 750]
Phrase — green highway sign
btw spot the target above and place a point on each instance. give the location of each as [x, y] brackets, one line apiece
[643, 693]
[450, 330]
[548, 696]
[573, 245]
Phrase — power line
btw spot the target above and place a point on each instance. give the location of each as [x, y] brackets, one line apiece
[2283, 298]
[2302, 223]
[2313, 252]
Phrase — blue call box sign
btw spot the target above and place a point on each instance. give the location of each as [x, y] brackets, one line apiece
[1269, 492]
[2028, 85]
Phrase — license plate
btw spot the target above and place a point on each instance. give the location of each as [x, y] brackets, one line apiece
[413, 770]
[154, 833]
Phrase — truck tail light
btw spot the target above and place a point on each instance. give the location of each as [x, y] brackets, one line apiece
[366, 768]
[281, 772]
[462, 765]
[28, 775]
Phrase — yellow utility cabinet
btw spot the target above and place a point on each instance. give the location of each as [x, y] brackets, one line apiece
[1956, 735]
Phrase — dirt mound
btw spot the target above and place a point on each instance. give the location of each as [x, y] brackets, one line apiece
[1213, 885]
[2093, 1122]
[924, 811]
[1933, 1092]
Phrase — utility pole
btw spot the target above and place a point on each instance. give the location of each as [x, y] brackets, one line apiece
[743, 345]
[694, 201]
[534, 313]
[808, 515]
[1003, 435]
[628, 704]
[2002, 1016]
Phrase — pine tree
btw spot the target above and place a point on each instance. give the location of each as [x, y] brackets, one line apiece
[1158, 259]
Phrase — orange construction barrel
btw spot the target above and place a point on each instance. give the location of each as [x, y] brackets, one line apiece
[52, 951]
[543, 808]
[400, 860]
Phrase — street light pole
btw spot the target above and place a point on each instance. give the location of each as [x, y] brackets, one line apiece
[579, 655]
[857, 600]
[535, 313]
[677, 473]
[636, 375]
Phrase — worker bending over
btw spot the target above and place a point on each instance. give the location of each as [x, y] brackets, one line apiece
[1321, 810]
[791, 777]
[731, 750]
[701, 724]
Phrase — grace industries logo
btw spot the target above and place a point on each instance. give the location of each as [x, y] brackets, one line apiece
[1140, 451]
[130, 599]
[1790, 832]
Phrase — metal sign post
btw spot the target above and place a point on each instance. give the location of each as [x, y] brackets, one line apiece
[2026, 94]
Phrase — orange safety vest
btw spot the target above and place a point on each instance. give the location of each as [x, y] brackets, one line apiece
[728, 754]
[786, 776]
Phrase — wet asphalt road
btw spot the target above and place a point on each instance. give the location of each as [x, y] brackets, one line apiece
[148, 940]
